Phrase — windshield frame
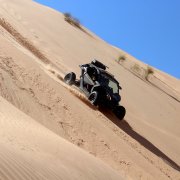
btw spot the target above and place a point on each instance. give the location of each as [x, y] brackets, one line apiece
[104, 76]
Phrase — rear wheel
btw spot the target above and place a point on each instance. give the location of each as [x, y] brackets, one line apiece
[120, 112]
[94, 98]
[70, 78]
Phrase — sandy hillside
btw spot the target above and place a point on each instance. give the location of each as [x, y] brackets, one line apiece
[30, 151]
[37, 48]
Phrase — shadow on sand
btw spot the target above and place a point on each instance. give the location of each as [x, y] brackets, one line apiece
[124, 125]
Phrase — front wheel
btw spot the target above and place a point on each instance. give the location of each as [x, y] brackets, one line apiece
[94, 98]
[70, 78]
[120, 112]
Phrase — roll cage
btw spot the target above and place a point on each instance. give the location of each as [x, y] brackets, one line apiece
[93, 75]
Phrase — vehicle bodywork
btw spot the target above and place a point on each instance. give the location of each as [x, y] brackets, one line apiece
[100, 87]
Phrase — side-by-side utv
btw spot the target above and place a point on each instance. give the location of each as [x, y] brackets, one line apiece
[100, 87]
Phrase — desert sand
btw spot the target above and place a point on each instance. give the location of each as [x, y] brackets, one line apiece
[49, 130]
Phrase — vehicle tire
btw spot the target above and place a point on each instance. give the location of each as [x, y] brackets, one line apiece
[94, 98]
[70, 78]
[120, 112]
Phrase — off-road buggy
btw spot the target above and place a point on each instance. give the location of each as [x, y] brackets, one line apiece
[100, 87]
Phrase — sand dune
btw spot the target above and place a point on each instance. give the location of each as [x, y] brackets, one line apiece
[30, 151]
[37, 48]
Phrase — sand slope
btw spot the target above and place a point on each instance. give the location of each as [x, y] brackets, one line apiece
[30, 151]
[37, 48]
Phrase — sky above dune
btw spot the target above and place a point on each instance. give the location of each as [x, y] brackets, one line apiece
[149, 30]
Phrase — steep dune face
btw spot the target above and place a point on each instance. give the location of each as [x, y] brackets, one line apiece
[30, 151]
[38, 47]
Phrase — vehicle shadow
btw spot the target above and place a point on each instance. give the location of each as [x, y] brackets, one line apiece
[125, 126]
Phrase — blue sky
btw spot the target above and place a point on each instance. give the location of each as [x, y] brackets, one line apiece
[147, 29]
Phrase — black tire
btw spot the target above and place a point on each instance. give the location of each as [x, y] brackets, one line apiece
[70, 78]
[94, 98]
[120, 112]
